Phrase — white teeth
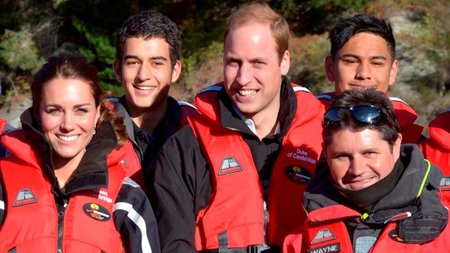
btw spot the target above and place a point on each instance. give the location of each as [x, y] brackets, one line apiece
[144, 88]
[246, 92]
[67, 138]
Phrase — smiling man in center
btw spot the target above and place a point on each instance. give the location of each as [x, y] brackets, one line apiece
[233, 178]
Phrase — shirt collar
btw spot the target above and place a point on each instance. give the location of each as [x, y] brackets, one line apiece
[251, 124]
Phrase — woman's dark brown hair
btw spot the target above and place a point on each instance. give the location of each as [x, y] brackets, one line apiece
[75, 67]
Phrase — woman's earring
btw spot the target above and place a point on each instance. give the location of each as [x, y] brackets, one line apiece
[93, 132]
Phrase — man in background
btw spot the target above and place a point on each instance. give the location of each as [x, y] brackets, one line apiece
[363, 56]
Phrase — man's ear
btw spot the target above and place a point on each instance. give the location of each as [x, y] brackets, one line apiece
[176, 71]
[285, 63]
[329, 68]
[396, 147]
[393, 73]
[117, 67]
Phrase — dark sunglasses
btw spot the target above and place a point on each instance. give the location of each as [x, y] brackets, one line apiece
[366, 114]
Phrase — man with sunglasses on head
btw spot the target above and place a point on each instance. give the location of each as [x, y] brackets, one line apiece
[363, 56]
[372, 194]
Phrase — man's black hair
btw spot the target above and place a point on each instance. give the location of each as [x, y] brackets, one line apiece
[150, 24]
[349, 27]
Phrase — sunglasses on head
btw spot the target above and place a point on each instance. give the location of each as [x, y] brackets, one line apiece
[366, 114]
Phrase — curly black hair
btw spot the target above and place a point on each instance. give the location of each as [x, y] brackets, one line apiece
[150, 24]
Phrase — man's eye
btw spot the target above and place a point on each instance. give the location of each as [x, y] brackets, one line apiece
[370, 153]
[341, 157]
[376, 63]
[158, 63]
[349, 61]
[131, 62]
[260, 64]
[233, 63]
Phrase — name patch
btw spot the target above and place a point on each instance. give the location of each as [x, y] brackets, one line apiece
[326, 249]
[302, 155]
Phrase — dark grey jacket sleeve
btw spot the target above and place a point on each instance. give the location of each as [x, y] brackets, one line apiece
[134, 219]
[179, 186]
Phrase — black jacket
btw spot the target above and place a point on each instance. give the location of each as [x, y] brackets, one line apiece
[145, 144]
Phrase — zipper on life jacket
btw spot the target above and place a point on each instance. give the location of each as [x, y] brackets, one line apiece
[265, 220]
[61, 206]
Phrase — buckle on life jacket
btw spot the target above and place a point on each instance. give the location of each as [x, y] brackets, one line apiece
[248, 249]
[258, 249]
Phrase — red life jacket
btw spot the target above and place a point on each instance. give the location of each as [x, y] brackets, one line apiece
[405, 114]
[134, 170]
[2, 125]
[31, 221]
[235, 212]
[437, 149]
[325, 231]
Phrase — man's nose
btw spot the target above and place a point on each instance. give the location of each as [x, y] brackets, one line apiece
[363, 71]
[244, 74]
[145, 72]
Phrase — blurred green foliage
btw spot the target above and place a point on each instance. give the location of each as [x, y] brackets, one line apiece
[88, 27]
[307, 63]
[18, 51]
[100, 50]
[32, 30]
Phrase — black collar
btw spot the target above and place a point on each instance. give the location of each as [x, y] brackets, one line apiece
[288, 106]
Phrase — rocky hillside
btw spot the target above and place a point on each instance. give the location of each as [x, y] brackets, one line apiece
[423, 51]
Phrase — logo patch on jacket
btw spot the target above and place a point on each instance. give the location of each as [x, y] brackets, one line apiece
[25, 197]
[229, 165]
[96, 212]
[444, 185]
[323, 235]
[298, 174]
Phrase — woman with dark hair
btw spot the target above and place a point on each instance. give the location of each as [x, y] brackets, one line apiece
[64, 186]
